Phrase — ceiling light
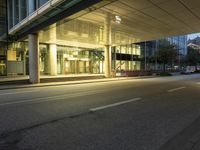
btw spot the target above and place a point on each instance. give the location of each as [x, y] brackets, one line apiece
[118, 19]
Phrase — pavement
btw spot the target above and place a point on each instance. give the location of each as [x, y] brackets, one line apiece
[129, 114]
[23, 81]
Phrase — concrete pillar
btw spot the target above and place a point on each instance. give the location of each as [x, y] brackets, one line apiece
[24, 61]
[53, 59]
[107, 38]
[34, 71]
[52, 51]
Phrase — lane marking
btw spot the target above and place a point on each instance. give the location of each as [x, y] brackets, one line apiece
[52, 98]
[2, 94]
[114, 104]
[177, 89]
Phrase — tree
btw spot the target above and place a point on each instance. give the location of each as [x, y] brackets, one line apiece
[193, 57]
[173, 53]
[166, 54]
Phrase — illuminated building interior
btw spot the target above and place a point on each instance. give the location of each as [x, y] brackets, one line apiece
[79, 46]
[96, 39]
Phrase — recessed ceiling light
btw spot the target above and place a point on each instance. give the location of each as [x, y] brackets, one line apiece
[118, 19]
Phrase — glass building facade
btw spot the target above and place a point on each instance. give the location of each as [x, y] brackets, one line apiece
[77, 46]
[149, 49]
[18, 10]
[3, 37]
[126, 57]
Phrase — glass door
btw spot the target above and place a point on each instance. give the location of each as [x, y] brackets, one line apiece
[70, 66]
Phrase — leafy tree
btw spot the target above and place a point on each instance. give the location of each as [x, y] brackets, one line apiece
[193, 57]
[173, 53]
[166, 54]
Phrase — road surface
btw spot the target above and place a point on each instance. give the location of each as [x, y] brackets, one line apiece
[133, 114]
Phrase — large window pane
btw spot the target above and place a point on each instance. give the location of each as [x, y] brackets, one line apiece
[16, 12]
[10, 12]
[31, 6]
[42, 2]
[23, 9]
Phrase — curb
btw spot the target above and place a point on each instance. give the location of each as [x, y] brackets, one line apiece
[70, 83]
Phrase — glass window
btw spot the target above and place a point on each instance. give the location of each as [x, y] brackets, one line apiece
[23, 9]
[123, 49]
[42, 2]
[16, 12]
[10, 12]
[2, 59]
[32, 6]
[3, 18]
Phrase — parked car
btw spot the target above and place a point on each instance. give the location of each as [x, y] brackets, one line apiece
[188, 70]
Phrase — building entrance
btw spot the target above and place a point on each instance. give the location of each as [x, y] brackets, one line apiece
[70, 66]
[76, 66]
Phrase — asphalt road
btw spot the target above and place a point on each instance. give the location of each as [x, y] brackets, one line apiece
[135, 114]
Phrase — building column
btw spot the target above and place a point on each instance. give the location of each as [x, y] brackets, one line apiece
[52, 51]
[24, 61]
[107, 52]
[34, 71]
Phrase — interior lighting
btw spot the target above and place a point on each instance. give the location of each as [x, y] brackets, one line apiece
[118, 19]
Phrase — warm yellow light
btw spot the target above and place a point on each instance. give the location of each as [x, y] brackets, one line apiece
[118, 19]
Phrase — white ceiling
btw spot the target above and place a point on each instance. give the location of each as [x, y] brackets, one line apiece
[152, 19]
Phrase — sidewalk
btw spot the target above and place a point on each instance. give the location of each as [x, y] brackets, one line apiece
[23, 82]
[13, 80]
[44, 77]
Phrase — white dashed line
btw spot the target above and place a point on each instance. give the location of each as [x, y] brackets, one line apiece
[114, 104]
[177, 89]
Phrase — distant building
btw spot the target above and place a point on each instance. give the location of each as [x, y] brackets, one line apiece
[149, 52]
[195, 44]
[195, 41]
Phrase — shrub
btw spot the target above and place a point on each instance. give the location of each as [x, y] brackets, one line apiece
[165, 74]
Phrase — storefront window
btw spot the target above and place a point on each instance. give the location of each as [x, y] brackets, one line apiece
[2, 59]
[72, 60]
[16, 58]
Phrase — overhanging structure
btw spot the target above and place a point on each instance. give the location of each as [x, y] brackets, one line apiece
[112, 23]
[145, 19]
